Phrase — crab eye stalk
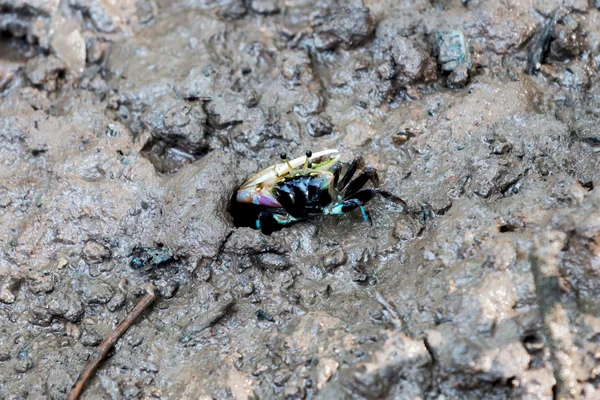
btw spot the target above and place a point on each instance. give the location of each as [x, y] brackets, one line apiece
[308, 156]
[284, 157]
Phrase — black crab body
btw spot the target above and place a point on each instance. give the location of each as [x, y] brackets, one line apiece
[304, 195]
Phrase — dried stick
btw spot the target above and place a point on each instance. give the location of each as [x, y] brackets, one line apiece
[102, 350]
[555, 321]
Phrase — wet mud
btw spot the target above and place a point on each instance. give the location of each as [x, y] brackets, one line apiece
[126, 127]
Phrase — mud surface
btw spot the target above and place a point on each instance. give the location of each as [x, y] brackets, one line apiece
[125, 128]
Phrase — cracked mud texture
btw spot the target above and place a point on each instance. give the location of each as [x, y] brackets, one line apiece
[125, 128]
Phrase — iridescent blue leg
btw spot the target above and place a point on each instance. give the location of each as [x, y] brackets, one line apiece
[359, 199]
[364, 213]
[267, 220]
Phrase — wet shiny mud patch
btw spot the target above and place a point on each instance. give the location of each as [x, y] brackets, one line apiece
[437, 302]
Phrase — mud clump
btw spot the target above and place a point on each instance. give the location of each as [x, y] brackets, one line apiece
[126, 130]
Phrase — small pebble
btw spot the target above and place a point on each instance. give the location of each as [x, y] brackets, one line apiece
[250, 97]
[5, 201]
[9, 285]
[23, 365]
[90, 337]
[72, 330]
[40, 316]
[273, 261]
[319, 125]
[40, 282]
[116, 302]
[95, 253]
[58, 306]
[264, 316]
[501, 148]
[58, 328]
[459, 77]
[144, 257]
[403, 231]
[247, 290]
[453, 50]
[75, 312]
[334, 259]
[131, 391]
[167, 289]
[265, 7]
[99, 294]
[4, 353]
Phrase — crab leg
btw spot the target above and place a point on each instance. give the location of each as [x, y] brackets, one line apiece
[368, 174]
[359, 199]
[357, 163]
[266, 217]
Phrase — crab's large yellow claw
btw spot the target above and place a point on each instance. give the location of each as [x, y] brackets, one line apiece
[323, 160]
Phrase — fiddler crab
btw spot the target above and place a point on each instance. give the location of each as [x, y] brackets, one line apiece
[307, 186]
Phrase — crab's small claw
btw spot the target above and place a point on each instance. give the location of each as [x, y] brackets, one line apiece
[256, 195]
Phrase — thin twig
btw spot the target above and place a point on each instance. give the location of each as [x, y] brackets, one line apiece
[555, 321]
[102, 350]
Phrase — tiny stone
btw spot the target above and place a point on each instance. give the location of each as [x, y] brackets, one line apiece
[131, 391]
[134, 339]
[58, 306]
[334, 259]
[146, 11]
[75, 312]
[40, 283]
[124, 112]
[273, 261]
[23, 365]
[40, 316]
[403, 231]
[204, 274]
[386, 70]
[72, 330]
[250, 97]
[95, 253]
[5, 201]
[265, 7]
[453, 50]
[145, 257]
[319, 125]
[58, 328]
[116, 302]
[4, 353]
[459, 77]
[95, 50]
[90, 337]
[6, 290]
[99, 294]
[264, 316]
[94, 270]
[247, 290]
[167, 289]
[501, 148]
